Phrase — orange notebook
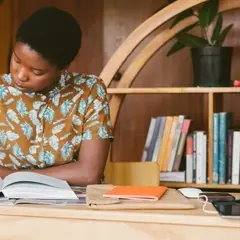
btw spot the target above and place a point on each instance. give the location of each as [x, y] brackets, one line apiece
[149, 193]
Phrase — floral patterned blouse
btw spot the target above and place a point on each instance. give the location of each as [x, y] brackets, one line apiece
[42, 130]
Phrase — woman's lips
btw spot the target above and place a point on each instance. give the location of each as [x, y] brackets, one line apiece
[19, 86]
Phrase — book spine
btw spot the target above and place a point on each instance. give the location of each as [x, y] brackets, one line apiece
[215, 147]
[229, 156]
[170, 143]
[181, 145]
[189, 159]
[148, 139]
[159, 139]
[199, 156]
[222, 147]
[204, 160]
[176, 138]
[236, 157]
[153, 140]
[162, 152]
[194, 156]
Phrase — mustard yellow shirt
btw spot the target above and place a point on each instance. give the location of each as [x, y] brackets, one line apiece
[42, 130]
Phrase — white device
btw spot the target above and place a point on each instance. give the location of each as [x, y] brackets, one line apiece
[190, 192]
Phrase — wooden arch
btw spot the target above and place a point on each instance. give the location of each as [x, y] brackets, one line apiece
[136, 37]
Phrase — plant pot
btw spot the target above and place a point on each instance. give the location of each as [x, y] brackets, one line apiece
[212, 66]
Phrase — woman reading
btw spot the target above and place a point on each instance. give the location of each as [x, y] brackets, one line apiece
[52, 121]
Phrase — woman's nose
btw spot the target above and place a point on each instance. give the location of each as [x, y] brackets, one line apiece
[22, 75]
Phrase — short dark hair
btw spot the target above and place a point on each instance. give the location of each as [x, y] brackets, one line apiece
[53, 33]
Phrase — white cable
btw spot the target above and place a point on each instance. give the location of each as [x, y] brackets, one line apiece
[205, 204]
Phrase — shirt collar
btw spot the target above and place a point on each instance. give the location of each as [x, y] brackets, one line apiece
[61, 84]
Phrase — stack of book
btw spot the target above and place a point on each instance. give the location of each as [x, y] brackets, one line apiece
[170, 142]
[165, 144]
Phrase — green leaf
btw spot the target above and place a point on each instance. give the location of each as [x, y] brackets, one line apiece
[208, 12]
[188, 28]
[181, 16]
[223, 35]
[191, 40]
[176, 47]
[217, 29]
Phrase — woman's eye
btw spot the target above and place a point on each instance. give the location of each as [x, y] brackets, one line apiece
[37, 73]
[16, 60]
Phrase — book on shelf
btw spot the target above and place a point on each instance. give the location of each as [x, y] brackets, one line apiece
[165, 141]
[189, 158]
[225, 154]
[221, 124]
[171, 150]
[148, 139]
[178, 176]
[167, 157]
[177, 148]
[226, 145]
[28, 185]
[215, 148]
[158, 139]
[181, 144]
[236, 158]
[201, 157]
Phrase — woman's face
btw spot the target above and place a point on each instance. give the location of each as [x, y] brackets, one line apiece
[30, 72]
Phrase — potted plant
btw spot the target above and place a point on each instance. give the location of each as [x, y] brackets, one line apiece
[211, 60]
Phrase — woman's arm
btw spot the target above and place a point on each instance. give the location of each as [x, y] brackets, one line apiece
[88, 170]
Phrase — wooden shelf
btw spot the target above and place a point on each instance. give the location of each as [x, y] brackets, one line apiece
[203, 186]
[173, 90]
[213, 104]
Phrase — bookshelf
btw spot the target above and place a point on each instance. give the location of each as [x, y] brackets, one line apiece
[214, 97]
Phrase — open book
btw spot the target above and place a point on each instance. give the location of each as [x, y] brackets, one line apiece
[29, 185]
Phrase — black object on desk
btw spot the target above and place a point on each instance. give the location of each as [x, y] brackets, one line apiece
[216, 196]
[228, 209]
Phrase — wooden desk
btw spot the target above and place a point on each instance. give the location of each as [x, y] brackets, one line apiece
[24, 222]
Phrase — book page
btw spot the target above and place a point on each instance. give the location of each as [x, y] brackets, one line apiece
[29, 190]
[62, 202]
[34, 178]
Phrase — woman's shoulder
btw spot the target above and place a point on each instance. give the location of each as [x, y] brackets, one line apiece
[89, 81]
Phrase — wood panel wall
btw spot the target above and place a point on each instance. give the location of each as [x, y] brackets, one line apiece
[6, 34]
[89, 13]
[162, 71]
[231, 101]
[105, 24]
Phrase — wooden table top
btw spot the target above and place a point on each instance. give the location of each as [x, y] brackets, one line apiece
[182, 217]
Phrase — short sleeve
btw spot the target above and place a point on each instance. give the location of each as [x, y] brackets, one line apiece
[97, 123]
